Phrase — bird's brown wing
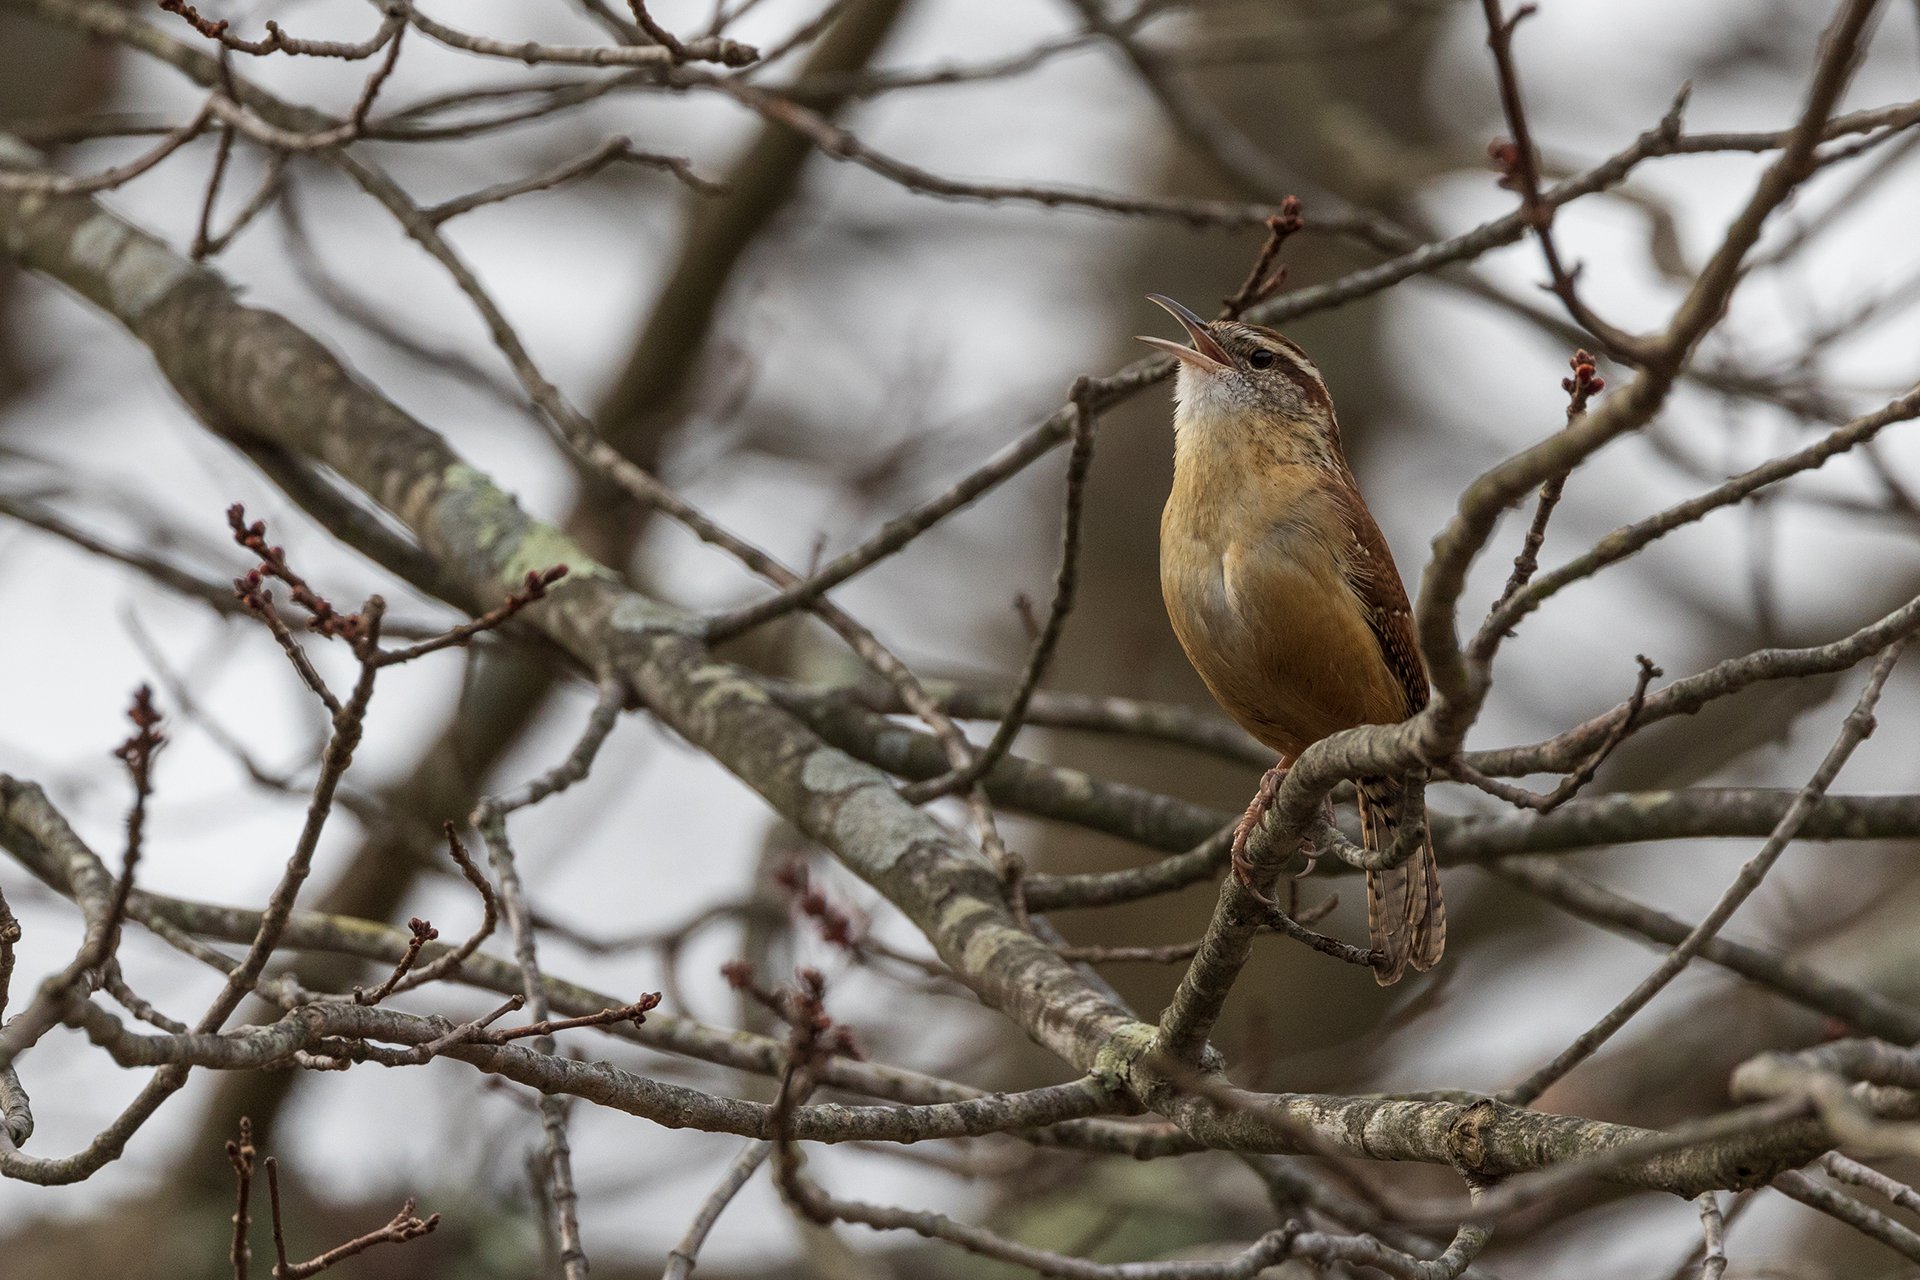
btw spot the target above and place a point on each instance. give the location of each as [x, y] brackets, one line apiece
[1376, 582]
[1406, 918]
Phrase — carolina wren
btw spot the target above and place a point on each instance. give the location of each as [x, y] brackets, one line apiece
[1285, 596]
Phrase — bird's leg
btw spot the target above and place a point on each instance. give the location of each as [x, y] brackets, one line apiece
[1243, 830]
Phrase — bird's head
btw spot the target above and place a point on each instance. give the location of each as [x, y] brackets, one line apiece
[1244, 376]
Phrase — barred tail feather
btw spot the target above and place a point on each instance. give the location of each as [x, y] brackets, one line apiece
[1387, 903]
[1430, 930]
[1406, 919]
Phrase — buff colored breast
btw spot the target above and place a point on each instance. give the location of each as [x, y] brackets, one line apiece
[1251, 567]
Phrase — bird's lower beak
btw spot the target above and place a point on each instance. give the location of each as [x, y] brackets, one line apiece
[1205, 353]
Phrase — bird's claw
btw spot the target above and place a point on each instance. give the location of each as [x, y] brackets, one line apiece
[1243, 868]
[1243, 832]
[1312, 853]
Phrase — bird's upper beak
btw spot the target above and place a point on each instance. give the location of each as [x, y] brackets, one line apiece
[1205, 353]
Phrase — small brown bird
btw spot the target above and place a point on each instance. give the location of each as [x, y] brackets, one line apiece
[1285, 596]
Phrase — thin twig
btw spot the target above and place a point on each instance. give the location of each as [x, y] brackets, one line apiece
[114, 983]
[707, 49]
[51, 184]
[898, 532]
[657, 33]
[1581, 387]
[240, 1156]
[1520, 164]
[611, 151]
[1265, 279]
[635, 1013]
[682, 1258]
[1569, 786]
[1896, 1236]
[490, 819]
[272, 184]
[449, 964]
[278, 41]
[1630, 539]
[1178, 951]
[423, 933]
[1690, 1266]
[1851, 1171]
[1859, 724]
[1713, 1236]
[1856, 1007]
[1079, 463]
[137, 753]
[533, 588]
[1281, 922]
[399, 1229]
[203, 233]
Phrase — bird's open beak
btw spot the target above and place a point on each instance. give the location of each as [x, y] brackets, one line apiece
[1205, 353]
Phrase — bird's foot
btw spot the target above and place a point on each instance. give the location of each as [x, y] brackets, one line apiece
[1243, 831]
[1313, 852]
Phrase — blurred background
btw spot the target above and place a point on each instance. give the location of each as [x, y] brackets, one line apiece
[811, 353]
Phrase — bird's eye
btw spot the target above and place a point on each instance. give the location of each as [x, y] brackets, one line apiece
[1261, 358]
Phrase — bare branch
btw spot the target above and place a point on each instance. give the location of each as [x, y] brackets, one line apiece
[1713, 1232]
[1896, 1236]
[399, 1229]
[1864, 1010]
[613, 150]
[682, 1258]
[1859, 724]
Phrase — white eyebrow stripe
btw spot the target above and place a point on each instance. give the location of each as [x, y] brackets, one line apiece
[1292, 349]
[1282, 344]
[1298, 359]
